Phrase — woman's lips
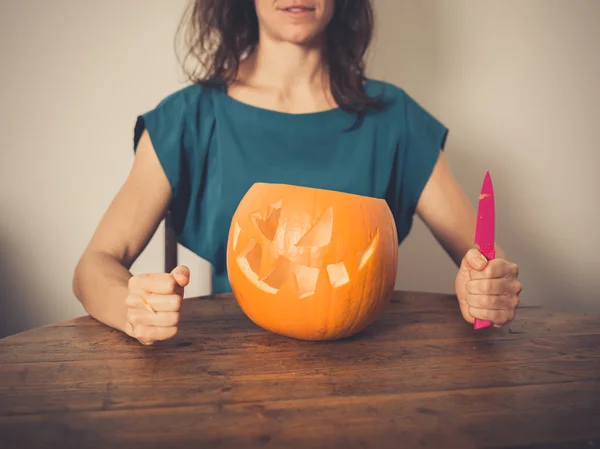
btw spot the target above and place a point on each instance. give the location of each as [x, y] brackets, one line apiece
[298, 10]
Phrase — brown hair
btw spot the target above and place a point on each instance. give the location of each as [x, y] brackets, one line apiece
[217, 34]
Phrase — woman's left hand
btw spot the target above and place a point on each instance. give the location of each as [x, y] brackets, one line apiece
[487, 290]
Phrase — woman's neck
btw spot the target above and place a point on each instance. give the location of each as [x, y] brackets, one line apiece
[284, 77]
[284, 66]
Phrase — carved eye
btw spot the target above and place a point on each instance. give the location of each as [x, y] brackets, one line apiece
[313, 246]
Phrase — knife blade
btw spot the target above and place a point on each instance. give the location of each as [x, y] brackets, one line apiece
[485, 230]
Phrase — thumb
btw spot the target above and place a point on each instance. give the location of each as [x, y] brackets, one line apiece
[474, 260]
[181, 273]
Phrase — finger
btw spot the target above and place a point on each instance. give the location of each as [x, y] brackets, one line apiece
[489, 302]
[489, 286]
[496, 269]
[181, 274]
[138, 301]
[141, 317]
[148, 335]
[497, 317]
[474, 260]
[162, 283]
[158, 303]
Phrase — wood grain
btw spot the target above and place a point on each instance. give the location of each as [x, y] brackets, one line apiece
[419, 377]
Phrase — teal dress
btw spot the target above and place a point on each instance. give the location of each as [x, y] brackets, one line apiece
[213, 148]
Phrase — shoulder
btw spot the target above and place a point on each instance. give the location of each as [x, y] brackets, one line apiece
[391, 95]
[186, 99]
[375, 87]
[403, 109]
[181, 115]
[395, 99]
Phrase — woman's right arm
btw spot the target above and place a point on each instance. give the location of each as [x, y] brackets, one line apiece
[102, 281]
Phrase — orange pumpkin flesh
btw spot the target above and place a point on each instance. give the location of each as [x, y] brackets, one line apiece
[309, 263]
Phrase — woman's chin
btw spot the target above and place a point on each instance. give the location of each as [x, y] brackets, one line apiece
[306, 38]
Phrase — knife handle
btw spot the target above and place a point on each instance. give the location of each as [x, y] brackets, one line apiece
[489, 254]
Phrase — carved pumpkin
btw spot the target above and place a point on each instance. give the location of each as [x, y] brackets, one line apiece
[309, 263]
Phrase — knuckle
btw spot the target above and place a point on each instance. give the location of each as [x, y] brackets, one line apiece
[166, 334]
[176, 302]
[138, 332]
[170, 283]
[497, 317]
[516, 301]
[510, 315]
[494, 267]
[499, 271]
[518, 287]
[171, 318]
[141, 334]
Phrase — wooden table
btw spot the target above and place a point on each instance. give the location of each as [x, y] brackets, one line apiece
[419, 377]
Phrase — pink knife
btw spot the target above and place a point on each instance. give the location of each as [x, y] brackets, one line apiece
[485, 231]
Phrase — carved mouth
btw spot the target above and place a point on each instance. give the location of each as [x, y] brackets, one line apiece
[270, 266]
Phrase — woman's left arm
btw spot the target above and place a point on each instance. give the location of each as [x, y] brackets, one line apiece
[485, 290]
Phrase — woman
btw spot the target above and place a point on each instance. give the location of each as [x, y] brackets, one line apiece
[282, 98]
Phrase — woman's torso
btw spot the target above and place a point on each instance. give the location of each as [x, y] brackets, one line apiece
[225, 146]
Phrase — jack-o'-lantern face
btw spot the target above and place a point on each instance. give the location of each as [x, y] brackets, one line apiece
[311, 263]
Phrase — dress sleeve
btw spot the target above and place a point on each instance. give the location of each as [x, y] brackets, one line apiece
[424, 138]
[173, 126]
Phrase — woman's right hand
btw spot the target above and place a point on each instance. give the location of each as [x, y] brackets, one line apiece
[153, 305]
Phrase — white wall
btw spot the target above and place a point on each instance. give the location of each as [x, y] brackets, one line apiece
[75, 75]
[517, 83]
